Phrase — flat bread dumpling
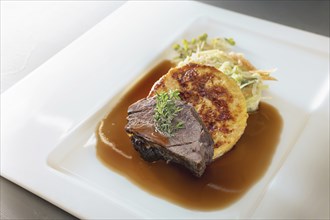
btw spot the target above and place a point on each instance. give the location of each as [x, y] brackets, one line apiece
[216, 97]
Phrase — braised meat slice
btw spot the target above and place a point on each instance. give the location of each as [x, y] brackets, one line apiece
[191, 146]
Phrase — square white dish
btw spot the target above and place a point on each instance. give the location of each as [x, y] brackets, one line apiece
[49, 117]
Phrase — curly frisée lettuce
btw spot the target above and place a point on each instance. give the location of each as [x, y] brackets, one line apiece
[216, 53]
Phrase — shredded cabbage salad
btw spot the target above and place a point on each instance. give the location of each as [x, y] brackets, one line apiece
[216, 52]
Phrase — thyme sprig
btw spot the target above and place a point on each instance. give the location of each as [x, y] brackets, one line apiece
[165, 112]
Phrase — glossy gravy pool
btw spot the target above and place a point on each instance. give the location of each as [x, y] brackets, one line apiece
[225, 181]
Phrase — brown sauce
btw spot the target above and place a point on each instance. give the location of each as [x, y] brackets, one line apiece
[225, 180]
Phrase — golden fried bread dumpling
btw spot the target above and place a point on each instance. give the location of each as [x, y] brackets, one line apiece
[216, 97]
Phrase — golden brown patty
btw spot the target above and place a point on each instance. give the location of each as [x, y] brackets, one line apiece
[215, 96]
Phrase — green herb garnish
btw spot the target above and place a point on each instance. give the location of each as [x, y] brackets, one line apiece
[201, 43]
[165, 112]
[230, 41]
[189, 47]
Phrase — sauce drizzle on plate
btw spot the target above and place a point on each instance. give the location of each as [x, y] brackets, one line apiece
[225, 180]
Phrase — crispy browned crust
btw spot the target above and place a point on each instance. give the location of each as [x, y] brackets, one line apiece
[215, 96]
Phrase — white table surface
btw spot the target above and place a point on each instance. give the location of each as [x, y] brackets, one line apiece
[32, 32]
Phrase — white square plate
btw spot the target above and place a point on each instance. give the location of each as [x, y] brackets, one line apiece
[48, 119]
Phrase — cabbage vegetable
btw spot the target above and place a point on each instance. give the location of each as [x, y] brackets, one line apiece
[216, 53]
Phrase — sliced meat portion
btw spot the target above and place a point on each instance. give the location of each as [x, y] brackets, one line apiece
[191, 146]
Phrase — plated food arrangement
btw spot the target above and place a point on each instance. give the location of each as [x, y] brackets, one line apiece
[194, 123]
